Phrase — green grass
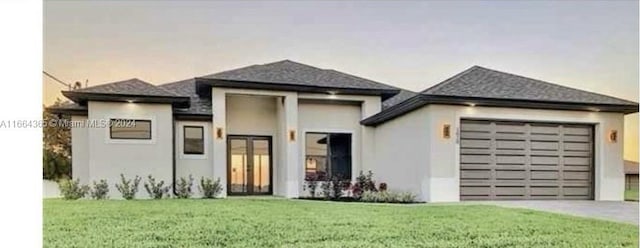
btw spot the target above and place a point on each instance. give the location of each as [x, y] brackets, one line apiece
[250, 222]
[631, 195]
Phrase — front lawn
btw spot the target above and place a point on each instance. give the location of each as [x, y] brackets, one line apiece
[254, 222]
[631, 195]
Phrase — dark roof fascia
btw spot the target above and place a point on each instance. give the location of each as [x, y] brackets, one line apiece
[394, 111]
[83, 97]
[69, 111]
[193, 117]
[423, 99]
[203, 88]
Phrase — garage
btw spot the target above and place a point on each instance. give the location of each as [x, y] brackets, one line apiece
[510, 160]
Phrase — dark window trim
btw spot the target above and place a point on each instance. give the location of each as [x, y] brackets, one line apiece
[135, 120]
[329, 155]
[184, 140]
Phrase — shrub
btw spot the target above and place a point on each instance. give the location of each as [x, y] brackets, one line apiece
[209, 188]
[183, 188]
[311, 184]
[407, 197]
[382, 187]
[100, 190]
[71, 189]
[156, 190]
[365, 183]
[326, 189]
[337, 186]
[126, 188]
[387, 197]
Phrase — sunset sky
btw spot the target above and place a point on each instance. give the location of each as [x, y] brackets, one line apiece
[415, 44]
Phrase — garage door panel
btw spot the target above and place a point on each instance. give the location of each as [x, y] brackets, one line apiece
[580, 138]
[475, 159]
[545, 146]
[475, 190]
[545, 160]
[510, 191]
[468, 143]
[537, 129]
[510, 128]
[577, 146]
[545, 175]
[577, 161]
[545, 191]
[571, 130]
[541, 137]
[475, 135]
[510, 144]
[475, 174]
[516, 160]
[510, 174]
[506, 159]
[575, 191]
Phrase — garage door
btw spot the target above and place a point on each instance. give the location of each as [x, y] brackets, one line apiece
[519, 160]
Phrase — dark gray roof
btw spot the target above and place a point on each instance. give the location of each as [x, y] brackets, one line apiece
[199, 105]
[294, 73]
[400, 97]
[487, 83]
[132, 86]
[485, 87]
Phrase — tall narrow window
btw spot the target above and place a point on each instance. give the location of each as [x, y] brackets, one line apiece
[130, 129]
[328, 155]
[193, 140]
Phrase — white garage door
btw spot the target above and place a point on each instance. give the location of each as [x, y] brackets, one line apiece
[521, 160]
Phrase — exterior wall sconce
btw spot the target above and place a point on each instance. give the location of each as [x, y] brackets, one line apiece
[219, 133]
[292, 135]
[446, 131]
[613, 136]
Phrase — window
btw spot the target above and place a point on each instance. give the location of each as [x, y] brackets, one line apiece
[130, 129]
[328, 154]
[193, 140]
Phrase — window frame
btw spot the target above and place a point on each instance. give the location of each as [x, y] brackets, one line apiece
[184, 140]
[136, 121]
[328, 154]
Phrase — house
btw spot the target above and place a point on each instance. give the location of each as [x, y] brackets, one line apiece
[630, 175]
[482, 134]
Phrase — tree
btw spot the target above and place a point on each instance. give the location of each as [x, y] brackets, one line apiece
[56, 151]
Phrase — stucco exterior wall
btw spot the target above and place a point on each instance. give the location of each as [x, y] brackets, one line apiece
[401, 154]
[441, 155]
[330, 118]
[80, 150]
[108, 158]
[251, 115]
[196, 165]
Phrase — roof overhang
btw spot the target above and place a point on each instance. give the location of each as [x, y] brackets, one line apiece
[69, 111]
[203, 88]
[82, 98]
[421, 100]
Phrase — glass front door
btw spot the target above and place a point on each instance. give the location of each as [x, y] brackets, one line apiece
[249, 165]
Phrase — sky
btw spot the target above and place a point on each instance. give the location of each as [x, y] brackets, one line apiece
[588, 45]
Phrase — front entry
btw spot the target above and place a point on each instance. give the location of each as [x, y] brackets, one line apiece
[249, 166]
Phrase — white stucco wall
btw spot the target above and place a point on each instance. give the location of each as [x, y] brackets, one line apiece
[108, 158]
[258, 112]
[330, 118]
[401, 147]
[196, 165]
[80, 150]
[251, 115]
[441, 156]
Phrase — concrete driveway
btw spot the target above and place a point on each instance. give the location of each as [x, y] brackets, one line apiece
[626, 212]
